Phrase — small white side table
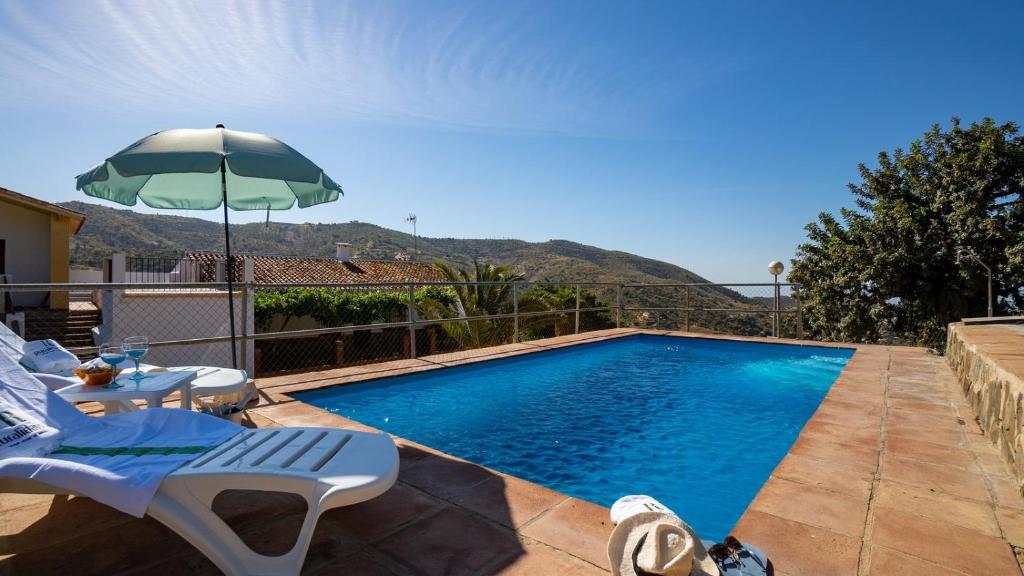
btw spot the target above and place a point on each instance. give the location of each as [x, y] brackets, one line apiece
[214, 381]
[153, 389]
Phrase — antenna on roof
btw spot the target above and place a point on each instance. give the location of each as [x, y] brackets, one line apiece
[411, 218]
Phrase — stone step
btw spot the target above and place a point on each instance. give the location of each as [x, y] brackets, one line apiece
[84, 322]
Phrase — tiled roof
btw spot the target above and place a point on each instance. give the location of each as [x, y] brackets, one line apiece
[291, 270]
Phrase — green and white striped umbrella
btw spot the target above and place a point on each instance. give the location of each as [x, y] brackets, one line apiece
[189, 169]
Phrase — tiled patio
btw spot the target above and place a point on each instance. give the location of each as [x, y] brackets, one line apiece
[891, 476]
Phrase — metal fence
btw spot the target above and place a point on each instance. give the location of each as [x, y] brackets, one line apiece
[286, 328]
[156, 270]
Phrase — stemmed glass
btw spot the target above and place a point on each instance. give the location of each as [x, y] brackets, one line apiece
[136, 347]
[112, 354]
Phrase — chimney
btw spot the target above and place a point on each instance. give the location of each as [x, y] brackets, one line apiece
[343, 251]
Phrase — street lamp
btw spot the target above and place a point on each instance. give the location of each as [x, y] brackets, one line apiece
[775, 268]
[964, 252]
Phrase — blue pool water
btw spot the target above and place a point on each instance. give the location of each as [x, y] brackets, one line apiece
[698, 424]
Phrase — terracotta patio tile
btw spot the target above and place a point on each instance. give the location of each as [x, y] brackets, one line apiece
[409, 451]
[269, 522]
[979, 443]
[490, 352]
[841, 405]
[813, 506]
[60, 518]
[443, 476]
[374, 519]
[799, 549]
[992, 464]
[538, 559]
[929, 452]
[577, 527]
[508, 500]
[869, 400]
[830, 413]
[935, 397]
[301, 414]
[865, 436]
[123, 547]
[827, 448]
[12, 501]
[191, 563]
[921, 407]
[970, 514]
[923, 383]
[1012, 523]
[886, 562]
[363, 563]
[949, 438]
[451, 543]
[911, 418]
[934, 477]
[943, 543]
[1006, 493]
[833, 476]
[868, 388]
[451, 362]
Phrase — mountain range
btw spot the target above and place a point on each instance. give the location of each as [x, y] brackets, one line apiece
[109, 230]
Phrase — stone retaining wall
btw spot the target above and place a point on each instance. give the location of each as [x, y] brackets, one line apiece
[988, 361]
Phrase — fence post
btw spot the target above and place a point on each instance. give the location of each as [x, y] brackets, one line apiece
[248, 314]
[117, 268]
[799, 315]
[618, 306]
[515, 312]
[577, 309]
[686, 312]
[412, 321]
[776, 328]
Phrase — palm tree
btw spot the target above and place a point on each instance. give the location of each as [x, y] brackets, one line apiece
[492, 296]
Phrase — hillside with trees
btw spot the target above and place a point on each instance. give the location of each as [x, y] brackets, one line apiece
[110, 230]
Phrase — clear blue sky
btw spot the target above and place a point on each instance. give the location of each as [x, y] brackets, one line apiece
[706, 134]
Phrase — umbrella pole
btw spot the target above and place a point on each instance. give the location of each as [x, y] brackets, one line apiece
[228, 267]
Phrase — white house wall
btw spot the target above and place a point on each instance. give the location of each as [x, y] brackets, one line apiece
[163, 315]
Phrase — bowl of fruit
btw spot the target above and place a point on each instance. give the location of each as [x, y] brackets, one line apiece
[96, 375]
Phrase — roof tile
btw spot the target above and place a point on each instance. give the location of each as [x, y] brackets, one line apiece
[293, 270]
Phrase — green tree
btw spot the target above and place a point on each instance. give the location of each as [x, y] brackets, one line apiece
[563, 297]
[896, 266]
[493, 296]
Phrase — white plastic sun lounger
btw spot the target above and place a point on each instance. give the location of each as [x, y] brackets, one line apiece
[327, 467]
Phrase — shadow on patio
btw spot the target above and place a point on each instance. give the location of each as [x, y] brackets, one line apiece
[444, 516]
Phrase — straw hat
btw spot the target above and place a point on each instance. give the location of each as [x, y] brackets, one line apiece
[656, 543]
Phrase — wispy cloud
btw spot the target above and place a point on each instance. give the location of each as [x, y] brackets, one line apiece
[486, 67]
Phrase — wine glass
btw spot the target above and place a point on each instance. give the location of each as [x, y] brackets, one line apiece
[136, 347]
[112, 354]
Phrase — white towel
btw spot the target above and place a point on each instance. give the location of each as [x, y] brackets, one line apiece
[118, 460]
[635, 504]
[48, 356]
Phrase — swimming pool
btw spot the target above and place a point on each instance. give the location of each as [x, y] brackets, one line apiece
[697, 423]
